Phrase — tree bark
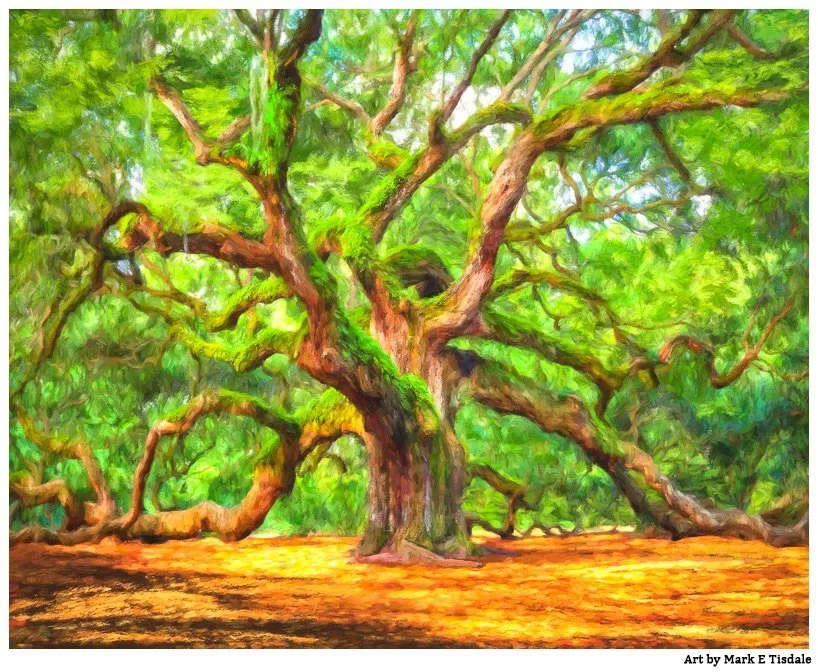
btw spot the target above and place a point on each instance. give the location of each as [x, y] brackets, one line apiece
[415, 495]
[414, 498]
[228, 523]
[649, 491]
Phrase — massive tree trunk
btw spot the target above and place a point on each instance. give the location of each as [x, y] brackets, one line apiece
[415, 494]
[414, 503]
[414, 500]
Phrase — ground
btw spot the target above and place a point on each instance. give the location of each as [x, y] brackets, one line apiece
[611, 590]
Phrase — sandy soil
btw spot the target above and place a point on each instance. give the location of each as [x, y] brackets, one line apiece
[610, 590]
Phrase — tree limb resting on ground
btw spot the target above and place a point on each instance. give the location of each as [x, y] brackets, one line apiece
[647, 489]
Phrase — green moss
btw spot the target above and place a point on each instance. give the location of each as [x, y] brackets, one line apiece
[357, 246]
[389, 186]
[331, 409]
[361, 349]
[401, 267]
[352, 239]
[245, 298]
[383, 151]
[245, 357]
[408, 257]
[634, 105]
[500, 112]
[178, 414]
[322, 279]
[277, 125]
[361, 315]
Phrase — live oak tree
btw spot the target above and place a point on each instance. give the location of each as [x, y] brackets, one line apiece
[401, 226]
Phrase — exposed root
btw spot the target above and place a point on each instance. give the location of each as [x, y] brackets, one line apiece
[407, 553]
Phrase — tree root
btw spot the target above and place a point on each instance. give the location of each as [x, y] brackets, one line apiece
[407, 553]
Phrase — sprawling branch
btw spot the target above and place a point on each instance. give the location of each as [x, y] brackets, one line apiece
[382, 152]
[668, 54]
[330, 417]
[751, 352]
[180, 423]
[462, 301]
[245, 357]
[351, 106]
[404, 65]
[639, 106]
[205, 151]
[76, 450]
[481, 51]
[31, 494]
[265, 291]
[204, 238]
[634, 470]
[515, 332]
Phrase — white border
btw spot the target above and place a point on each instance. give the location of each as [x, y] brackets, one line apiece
[654, 660]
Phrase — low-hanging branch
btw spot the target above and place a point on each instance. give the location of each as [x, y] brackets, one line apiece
[93, 512]
[330, 417]
[517, 497]
[29, 493]
[180, 423]
[634, 470]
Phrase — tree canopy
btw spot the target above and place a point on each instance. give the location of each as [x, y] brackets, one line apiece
[402, 273]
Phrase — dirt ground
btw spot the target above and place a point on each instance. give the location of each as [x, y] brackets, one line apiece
[610, 590]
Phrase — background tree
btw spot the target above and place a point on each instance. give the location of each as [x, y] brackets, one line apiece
[277, 236]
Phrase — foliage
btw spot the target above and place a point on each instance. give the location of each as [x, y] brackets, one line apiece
[709, 241]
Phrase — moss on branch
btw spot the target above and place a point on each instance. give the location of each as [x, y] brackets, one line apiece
[243, 358]
[241, 301]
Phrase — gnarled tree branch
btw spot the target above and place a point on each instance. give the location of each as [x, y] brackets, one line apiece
[634, 470]
[751, 352]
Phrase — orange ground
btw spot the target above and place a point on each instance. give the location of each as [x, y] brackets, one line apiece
[591, 591]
